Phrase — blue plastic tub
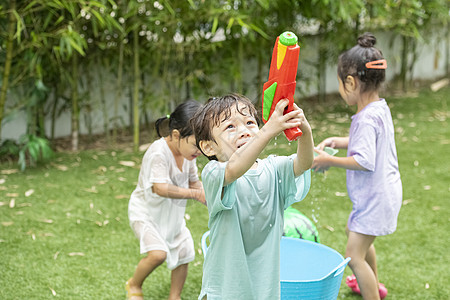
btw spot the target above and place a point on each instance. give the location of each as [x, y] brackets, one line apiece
[310, 270]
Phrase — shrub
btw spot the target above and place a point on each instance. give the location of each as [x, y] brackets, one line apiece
[33, 149]
[28, 151]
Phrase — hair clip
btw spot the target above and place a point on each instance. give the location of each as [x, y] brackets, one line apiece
[377, 64]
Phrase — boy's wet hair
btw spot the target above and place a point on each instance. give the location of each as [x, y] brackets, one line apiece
[353, 62]
[215, 111]
[178, 119]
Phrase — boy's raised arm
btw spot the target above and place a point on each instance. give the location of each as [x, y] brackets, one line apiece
[244, 157]
[305, 147]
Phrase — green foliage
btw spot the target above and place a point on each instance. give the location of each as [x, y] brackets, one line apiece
[29, 150]
[187, 49]
[9, 149]
[32, 150]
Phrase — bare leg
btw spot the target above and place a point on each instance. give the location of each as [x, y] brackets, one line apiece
[358, 246]
[144, 268]
[178, 278]
[371, 259]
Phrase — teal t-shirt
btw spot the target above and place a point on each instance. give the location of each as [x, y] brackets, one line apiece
[246, 225]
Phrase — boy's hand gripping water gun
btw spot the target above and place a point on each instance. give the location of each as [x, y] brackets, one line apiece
[281, 83]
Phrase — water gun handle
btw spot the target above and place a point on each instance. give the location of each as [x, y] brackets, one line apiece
[293, 134]
[281, 83]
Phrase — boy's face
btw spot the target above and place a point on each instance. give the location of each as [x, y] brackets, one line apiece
[231, 134]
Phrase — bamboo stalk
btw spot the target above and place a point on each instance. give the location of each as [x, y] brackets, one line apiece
[75, 109]
[137, 80]
[118, 93]
[8, 60]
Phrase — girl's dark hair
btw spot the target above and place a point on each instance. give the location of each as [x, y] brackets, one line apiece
[178, 119]
[353, 62]
[215, 111]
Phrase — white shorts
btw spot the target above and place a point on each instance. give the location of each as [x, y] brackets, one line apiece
[150, 239]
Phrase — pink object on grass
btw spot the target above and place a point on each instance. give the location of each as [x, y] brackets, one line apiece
[353, 284]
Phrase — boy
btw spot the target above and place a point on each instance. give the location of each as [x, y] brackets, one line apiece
[246, 196]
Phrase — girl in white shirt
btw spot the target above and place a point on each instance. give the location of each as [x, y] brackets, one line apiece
[168, 177]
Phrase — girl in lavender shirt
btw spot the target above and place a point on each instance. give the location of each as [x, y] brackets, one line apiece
[373, 179]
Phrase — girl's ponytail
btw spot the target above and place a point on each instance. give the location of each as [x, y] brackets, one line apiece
[162, 127]
[178, 120]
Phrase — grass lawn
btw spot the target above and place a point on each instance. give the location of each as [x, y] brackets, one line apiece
[64, 230]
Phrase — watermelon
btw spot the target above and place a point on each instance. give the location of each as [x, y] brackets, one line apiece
[297, 225]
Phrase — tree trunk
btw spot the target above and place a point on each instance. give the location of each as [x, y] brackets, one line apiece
[130, 110]
[8, 60]
[259, 80]
[53, 113]
[240, 77]
[321, 71]
[447, 55]
[137, 80]
[118, 93]
[413, 51]
[75, 109]
[87, 107]
[187, 58]
[41, 121]
[322, 76]
[404, 64]
[104, 107]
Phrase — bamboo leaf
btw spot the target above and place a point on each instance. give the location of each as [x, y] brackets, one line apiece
[242, 23]
[230, 23]
[59, 20]
[113, 3]
[260, 31]
[20, 25]
[98, 16]
[77, 47]
[76, 254]
[34, 151]
[96, 4]
[169, 8]
[192, 4]
[263, 3]
[30, 5]
[214, 26]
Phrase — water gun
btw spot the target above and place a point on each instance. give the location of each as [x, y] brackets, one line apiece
[281, 83]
